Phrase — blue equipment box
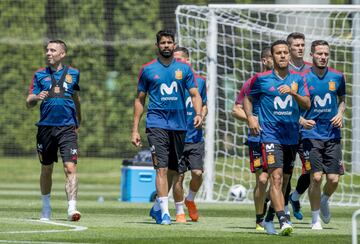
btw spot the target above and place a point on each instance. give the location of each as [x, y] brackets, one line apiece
[138, 184]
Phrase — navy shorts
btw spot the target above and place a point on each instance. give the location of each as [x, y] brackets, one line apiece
[324, 156]
[280, 156]
[50, 139]
[256, 156]
[192, 157]
[166, 147]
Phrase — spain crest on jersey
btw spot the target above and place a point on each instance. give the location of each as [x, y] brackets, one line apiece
[178, 74]
[332, 85]
[270, 159]
[294, 86]
[68, 78]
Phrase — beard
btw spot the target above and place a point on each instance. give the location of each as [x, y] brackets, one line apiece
[166, 53]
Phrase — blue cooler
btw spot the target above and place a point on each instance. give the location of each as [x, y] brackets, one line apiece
[138, 179]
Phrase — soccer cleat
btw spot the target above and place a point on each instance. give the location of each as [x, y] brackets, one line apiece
[324, 211]
[156, 215]
[316, 226]
[288, 218]
[270, 228]
[193, 212]
[260, 226]
[166, 220]
[286, 229]
[74, 215]
[296, 208]
[45, 213]
[180, 218]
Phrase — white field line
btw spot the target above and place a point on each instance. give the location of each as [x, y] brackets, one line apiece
[73, 228]
[41, 242]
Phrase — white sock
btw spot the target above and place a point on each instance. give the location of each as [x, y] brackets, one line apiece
[191, 195]
[324, 197]
[286, 210]
[164, 205]
[179, 207]
[72, 205]
[295, 196]
[157, 205]
[46, 200]
[315, 216]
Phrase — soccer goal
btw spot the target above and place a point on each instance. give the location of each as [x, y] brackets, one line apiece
[225, 42]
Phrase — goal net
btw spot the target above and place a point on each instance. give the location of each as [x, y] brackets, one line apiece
[225, 42]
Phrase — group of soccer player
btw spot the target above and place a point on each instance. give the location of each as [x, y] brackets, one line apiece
[293, 107]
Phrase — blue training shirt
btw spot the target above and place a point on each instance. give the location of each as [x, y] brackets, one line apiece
[166, 85]
[56, 111]
[279, 113]
[324, 92]
[194, 135]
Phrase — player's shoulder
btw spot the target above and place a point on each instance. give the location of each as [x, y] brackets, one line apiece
[335, 72]
[261, 76]
[41, 71]
[149, 64]
[200, 78]
[73, 70]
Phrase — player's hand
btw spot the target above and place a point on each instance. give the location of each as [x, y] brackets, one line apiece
[307, 124]
[42, 95]
[337, 121]
[254, 125]
[198, 121]
[136, 139]
[284, 89]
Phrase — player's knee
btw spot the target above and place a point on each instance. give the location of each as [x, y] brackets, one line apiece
[316, 179]
[196, 173]
[334, 179]
[263, 179]
[162, 172]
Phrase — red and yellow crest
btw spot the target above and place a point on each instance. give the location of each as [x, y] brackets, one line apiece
[332, 85]
[307, 165]
[68, 78]
[294, 87]
[178, 74]
[270, 159]
[257, 162]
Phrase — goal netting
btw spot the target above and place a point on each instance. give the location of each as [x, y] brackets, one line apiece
[225, 42]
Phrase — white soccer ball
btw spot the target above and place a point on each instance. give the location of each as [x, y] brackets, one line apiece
[238, 192]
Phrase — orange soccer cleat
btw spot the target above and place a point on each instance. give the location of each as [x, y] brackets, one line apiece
[193, 212]
[180, 218]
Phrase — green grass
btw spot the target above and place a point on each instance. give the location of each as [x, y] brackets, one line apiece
[117, 222]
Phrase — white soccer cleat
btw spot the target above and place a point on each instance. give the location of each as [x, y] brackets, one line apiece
[324, 211]
[286, 229]
[74, 215]
[316, 226]
[45, 213]
[270, 228]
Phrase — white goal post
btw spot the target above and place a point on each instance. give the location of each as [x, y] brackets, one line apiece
[225, 42]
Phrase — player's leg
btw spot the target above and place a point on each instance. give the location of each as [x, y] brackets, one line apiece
[67, 140]
[288, 162]
[178, 194]
[314, 149]
[196, 165]
[257, 166]
[332, 168]
[286, 192]
[47, 152]
[159, 142]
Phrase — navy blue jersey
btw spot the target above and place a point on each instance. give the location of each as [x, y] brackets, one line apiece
[324, 93]
[56, 111]
[279, 113]
[194, 135]
[240, 100]
[300, 69]
[166, 85]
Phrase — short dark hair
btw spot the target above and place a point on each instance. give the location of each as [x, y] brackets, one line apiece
[318, 43]
[295, 35]
[265, 52]
[62, 43]
[182, 49]
[167, 33]
[275, 43]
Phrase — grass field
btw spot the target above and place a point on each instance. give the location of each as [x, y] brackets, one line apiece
[112, 221]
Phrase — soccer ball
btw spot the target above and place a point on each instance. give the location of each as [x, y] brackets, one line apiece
[237, 192]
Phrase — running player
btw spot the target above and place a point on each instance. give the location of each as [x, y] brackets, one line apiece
[296, 42]
[280, 94]
[321, 134]
[253, 142]
[165, 79]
